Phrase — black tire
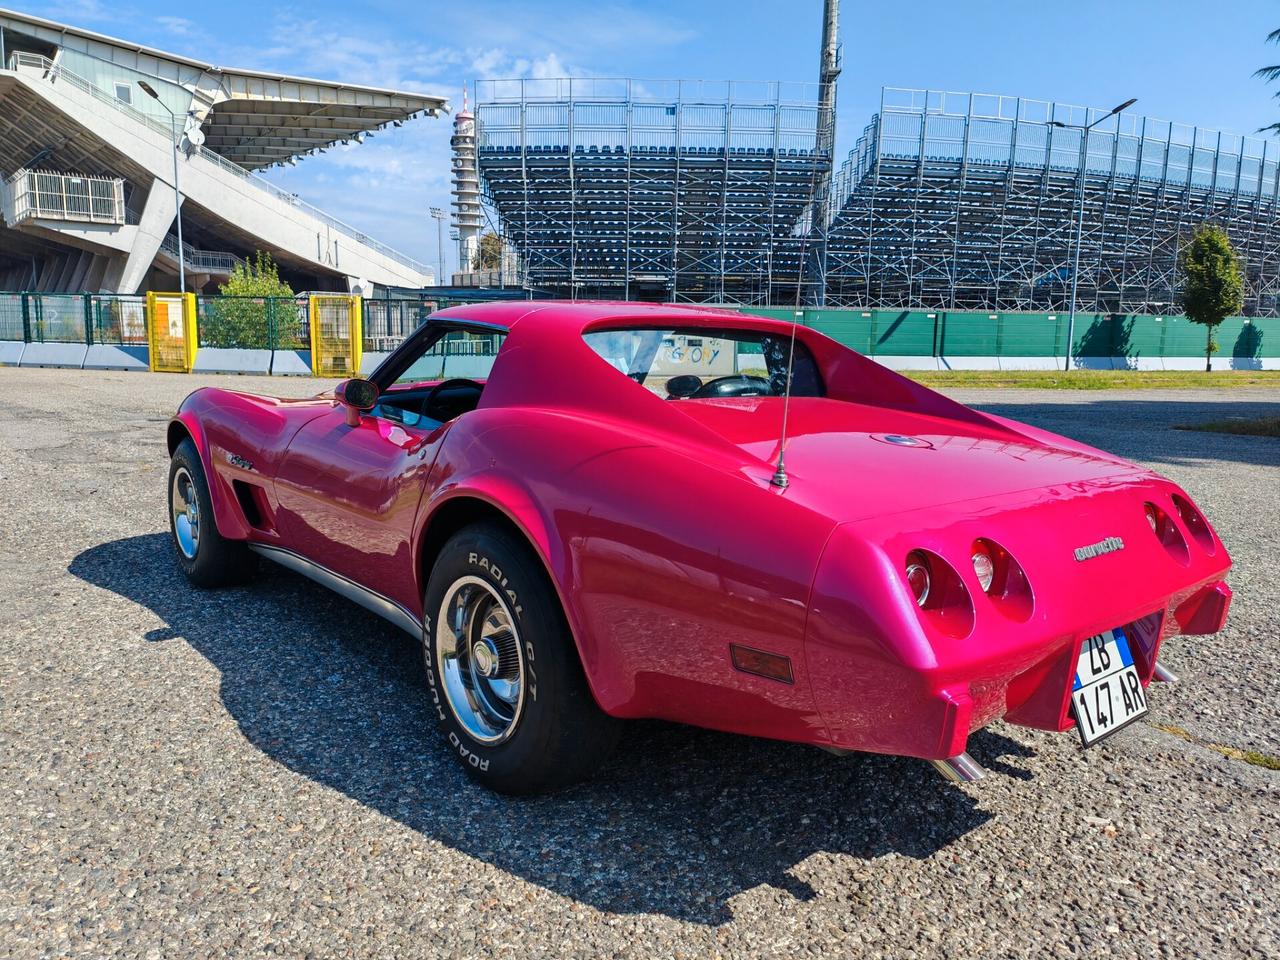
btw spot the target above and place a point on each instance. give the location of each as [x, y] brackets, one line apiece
[557, 734]
[213, 561]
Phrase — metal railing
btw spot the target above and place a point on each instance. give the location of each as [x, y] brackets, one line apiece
[48, 195]
[52, 71]
[200, 261]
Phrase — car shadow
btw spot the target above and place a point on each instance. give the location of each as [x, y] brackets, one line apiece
[1147, 430]
[678, 822]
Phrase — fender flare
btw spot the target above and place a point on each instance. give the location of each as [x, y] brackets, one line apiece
[188, 422]
[508, 497]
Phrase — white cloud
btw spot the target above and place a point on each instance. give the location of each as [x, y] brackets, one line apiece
[179, 26]
[548, 68]
[386, 185]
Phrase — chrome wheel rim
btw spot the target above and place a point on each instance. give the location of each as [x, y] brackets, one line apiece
[185, 506]
[479, 660]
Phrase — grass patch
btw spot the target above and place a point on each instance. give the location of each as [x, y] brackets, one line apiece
[1176, 731]
[1255, 757]
[1096, 379]
[1243, 426]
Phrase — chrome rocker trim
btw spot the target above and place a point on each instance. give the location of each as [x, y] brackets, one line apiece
[371, 600]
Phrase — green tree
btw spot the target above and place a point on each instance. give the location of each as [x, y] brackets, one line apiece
[1212, 286]
[257, 312]
[1270, 74]
[488, 255]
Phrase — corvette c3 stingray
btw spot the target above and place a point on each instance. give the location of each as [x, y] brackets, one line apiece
[580, 510]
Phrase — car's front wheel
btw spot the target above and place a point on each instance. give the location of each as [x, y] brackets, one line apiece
[504, 674]
[204, 555]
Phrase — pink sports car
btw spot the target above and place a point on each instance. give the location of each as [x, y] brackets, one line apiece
[588, 512]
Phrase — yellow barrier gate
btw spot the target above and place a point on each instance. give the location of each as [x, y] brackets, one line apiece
[171, 331]
[335, 335]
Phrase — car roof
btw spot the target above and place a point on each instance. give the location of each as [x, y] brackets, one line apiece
[578, 315]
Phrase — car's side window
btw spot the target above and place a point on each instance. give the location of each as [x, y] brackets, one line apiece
[459, 353]
[424, 393]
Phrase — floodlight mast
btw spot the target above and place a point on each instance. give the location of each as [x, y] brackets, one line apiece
[150, 91]
[1075, 265]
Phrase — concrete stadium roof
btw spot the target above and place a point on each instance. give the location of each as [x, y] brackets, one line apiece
[253, 117]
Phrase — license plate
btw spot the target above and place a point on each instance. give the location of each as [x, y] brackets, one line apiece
[1107, 693]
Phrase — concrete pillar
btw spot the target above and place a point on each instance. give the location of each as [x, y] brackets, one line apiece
[76, 282]
[98, 270]
[128, 274]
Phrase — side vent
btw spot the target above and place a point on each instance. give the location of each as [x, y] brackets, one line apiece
[247, 496]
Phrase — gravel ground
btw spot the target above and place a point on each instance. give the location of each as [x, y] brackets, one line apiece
[254, 772]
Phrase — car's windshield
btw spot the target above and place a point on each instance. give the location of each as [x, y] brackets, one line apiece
[678, 363]
[459, 353]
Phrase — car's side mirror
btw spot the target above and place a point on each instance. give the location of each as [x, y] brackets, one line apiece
[356, 396]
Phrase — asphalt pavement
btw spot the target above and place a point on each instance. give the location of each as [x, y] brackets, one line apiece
[255, 772]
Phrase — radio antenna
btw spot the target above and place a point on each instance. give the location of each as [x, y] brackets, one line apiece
[816, 215]
[824, 143]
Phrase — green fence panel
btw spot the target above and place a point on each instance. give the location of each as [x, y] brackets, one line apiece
[1032, 334]
[1182, 338]
[253, 323]
[12, 314]
[291, 323]
[386, 323]
[119, 320]
[967, 334]
[853, 328]
[57, 318]
[904, 333]
[1250, 339]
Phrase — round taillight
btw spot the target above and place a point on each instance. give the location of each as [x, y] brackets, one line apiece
[984, 568]
[918, 578]
[1195, 523]
[1002, 579]
[1167, 533]
[1153, 517]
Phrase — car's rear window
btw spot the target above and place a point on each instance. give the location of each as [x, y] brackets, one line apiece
[700, 363]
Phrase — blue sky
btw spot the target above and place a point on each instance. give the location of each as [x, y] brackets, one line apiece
[1184, 60]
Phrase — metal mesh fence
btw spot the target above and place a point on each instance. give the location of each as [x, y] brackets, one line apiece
[253, 323]
[119, 320]
[335, 335]
[56, 318]
[285, 324]
[168, 333]
[386, 323]
[11, 312]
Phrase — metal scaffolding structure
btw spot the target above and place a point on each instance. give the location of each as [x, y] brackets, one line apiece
[689, 191]
[968, 201]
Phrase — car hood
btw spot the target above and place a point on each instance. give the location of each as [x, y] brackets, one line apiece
[851, 460]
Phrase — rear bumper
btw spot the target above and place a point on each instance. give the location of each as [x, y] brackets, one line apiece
[933, 717]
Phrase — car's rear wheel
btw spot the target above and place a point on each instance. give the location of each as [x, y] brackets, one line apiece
[505, 678]
[204, 555]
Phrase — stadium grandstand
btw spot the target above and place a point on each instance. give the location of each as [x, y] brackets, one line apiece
[702, 192]
[653, 190]
[970, 201]
[89, 130]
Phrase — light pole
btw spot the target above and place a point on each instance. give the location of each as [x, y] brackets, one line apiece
[1075, 263]
[177, 188]
[438, 214]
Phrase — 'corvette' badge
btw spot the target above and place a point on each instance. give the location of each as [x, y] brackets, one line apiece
[1109, 545]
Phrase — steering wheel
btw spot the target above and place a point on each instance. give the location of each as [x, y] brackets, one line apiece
[428, 402]
[735, 385]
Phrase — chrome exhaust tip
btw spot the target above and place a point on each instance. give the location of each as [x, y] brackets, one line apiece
[960, 769]
[1161, 675]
